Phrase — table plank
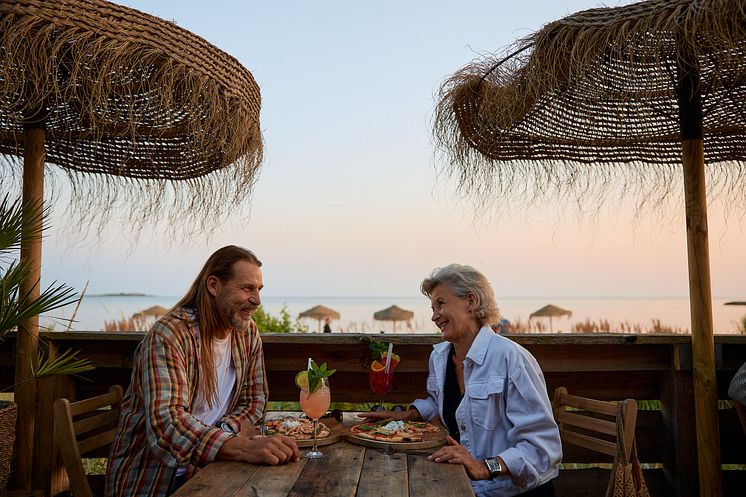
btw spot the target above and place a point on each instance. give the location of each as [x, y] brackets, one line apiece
[334, 476]
[424, 475]
[383, 474]
[218, 479]
[272, 481]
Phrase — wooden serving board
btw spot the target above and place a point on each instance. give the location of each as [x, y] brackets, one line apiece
[429, 441]
[336, 435]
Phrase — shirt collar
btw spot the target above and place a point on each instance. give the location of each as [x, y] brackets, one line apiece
[478, 349]
[481, 343]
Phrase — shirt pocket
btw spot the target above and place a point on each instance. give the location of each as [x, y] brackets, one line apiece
[485, 399]
[432, 386]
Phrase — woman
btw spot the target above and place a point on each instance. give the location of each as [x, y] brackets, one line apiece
[488, 391]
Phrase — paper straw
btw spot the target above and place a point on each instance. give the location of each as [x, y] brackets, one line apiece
[388, 357]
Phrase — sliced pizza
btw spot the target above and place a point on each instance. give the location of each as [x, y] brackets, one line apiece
[297, 428]
[393, 431]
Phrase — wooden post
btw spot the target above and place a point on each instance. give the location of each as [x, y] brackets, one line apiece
[700, 294]
[28, 333]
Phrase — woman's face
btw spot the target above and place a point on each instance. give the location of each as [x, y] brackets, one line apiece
[451, 313]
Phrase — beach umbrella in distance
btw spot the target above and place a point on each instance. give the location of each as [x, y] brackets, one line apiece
[657, 86]
[156, 311]
[550, 311]
[319, 313]
[144, 120]
[394, 314]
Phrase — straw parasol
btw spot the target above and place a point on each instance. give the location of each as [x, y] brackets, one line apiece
[645, 85]
[155, 311]
[142, 118]
[394, 314]
[550, 311]
[319, 313]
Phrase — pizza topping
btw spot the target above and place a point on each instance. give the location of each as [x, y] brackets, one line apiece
[297, 428]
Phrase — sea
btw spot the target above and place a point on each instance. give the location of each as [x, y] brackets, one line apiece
[356, 313]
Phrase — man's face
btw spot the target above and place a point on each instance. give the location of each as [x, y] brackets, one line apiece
[238, 298]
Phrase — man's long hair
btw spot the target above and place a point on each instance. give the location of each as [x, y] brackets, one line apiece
[220, 264]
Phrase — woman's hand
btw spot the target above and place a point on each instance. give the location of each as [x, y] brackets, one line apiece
[409, 415]
[455, 453]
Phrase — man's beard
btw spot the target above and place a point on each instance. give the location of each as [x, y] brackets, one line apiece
[235, 318]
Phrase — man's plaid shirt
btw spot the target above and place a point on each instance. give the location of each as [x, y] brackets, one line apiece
[157, 433]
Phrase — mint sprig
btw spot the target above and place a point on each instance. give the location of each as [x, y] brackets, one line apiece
[315, 375]
[378, 348]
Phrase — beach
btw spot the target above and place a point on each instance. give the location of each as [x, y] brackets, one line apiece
[356, 313]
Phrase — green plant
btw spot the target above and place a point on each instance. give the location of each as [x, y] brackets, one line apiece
[268, 323]
[17, 306]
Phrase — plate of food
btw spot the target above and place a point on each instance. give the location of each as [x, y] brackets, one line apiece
[401, 434]
[328, 430]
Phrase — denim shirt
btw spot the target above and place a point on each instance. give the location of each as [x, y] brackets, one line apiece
[505, 412]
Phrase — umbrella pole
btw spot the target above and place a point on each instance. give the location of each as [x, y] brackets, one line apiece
[700, 292]
[27, 338]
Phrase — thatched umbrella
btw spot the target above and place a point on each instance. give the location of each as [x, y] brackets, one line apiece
[394, 314]
[154, 311]
[319, 313]
[141, 116]
[641, 84]
[550, 311]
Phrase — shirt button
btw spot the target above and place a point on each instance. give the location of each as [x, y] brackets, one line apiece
[463, 428]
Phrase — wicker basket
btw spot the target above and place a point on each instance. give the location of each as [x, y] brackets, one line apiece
[8, 436]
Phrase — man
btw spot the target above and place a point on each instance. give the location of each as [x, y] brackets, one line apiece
[197, 376]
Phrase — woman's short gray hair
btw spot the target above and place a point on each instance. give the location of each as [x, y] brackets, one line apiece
[462, 280]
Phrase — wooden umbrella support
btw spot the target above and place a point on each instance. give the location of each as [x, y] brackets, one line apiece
[27, 348]
[700, 293]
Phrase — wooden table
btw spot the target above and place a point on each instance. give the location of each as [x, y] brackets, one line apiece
[347, 470]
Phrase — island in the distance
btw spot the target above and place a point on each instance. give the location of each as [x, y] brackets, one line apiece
[119, 294]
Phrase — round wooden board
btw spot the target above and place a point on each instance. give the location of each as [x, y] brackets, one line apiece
[400, 446]
[333, 438]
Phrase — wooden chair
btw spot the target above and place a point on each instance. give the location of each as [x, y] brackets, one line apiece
[81, 428]
[594, 424]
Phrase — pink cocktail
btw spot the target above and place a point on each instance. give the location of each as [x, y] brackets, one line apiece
[314, 405]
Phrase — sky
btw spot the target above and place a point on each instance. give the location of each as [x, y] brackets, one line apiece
[349, 201]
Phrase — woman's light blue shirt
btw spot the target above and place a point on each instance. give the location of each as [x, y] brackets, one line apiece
[505, 412]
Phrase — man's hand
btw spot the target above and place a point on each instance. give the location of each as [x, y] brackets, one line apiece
[277, 449]
[455, 453]
[409, 415]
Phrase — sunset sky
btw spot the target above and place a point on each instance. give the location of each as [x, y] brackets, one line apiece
[349, 201]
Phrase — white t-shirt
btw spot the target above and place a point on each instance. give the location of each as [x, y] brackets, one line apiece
[226, 381]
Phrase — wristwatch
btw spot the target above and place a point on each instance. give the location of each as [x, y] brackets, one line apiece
[226, 427]
[493, 466]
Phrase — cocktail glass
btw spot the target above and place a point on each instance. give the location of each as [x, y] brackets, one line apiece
[380, 383]
[315, 405]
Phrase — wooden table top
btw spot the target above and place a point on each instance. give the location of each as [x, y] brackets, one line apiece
[347, 470]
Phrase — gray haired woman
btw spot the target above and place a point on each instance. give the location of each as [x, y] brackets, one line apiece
[488, 391]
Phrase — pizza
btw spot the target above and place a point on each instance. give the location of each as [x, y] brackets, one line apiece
[297, 428]
[394, 431]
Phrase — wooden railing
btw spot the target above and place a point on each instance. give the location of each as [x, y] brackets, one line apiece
[608, 367]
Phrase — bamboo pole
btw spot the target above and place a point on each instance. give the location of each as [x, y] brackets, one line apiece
[28, 333]
[700, 293]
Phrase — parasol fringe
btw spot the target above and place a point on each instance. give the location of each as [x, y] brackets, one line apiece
[497, 121]
[132, 129]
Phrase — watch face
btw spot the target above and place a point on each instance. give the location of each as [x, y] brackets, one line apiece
[493, 465]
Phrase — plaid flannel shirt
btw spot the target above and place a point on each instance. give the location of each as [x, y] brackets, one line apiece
[157, 433]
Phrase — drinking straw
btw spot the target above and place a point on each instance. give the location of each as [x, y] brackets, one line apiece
[388, 357]
[309, 364]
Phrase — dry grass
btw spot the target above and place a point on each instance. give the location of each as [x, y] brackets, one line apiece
[134, 323]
